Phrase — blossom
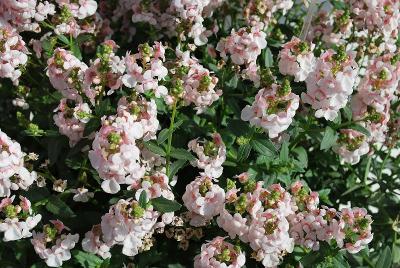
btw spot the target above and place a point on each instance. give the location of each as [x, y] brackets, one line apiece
[331, 83]
[53, 245]
[71, 120]
[269, 237]
[272, 109]
[115, 155]
[211, 155]
[66, 73]
[297, 59]
[140, 114]
[204, 199]
[219, 253]
[127, 224]
[145, 69]
[13, 53]
[19, 219]
[13, 174]
[351, 145]
[81, 194]
[243, 46]
[92, 243]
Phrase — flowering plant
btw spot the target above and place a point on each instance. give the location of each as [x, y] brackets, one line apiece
[199, 133]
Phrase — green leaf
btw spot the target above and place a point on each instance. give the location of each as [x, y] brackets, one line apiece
[102, 108]
[63, 39]
[87, 260]
[153, 147]
[76, 50]
[232, 83]
[301, 156]
[143, 199]
[175, 167]
[243, 152]
[264, 147]
[162, 135]
[268, 58]
[238, 127]
[360, 129]
[329, 138]
[59, 208]
[284, 153]
[324, 196]
[91, 126]
[164, 205]
[385, 258]
[348, 113]
[182, 154]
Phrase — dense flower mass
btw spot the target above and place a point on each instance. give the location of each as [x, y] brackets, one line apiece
[189, 133]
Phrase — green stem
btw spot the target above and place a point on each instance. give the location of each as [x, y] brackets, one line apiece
[383, 165]
[170, 132]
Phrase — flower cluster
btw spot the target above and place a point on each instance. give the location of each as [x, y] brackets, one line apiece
[331, 83]
[219, 253]
[71, 120]
[13, 174]
[350, 228]
[54, 244]
[18, 218]
[297, 59]
[273, 109]
[211, 154]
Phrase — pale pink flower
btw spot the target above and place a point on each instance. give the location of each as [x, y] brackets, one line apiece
[273, 109]
[52, 247]
[204, 198]
[219, 254]
[243, 46]
[71, 120]
[13, 174]
[66, 73]
[141, 114]
[297, 59]
[269, 237]
[351, 146]
[115, 155]
[331, 83]
[81, 194]
[19, 219]
[92, 243]
[210, 155]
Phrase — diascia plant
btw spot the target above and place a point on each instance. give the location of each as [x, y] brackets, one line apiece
[199, 133]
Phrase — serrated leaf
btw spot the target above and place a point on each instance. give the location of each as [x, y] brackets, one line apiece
[182, 154]
[162, 135]
[243, 152]
[153, 147]
[329, 138]
[175, 167]
[264, 147]
[164, 205]
[360, 129]
[385, 258]
[59, 208]
[143, 199]
[102, 108]
[87, 260]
